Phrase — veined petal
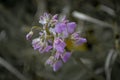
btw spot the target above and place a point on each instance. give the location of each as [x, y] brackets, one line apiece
[59, 45]
[50, 60]
[66, 56]
[80, 41]
[59, 27]
[46, 49]
[57, 65]
[36, 43]
[71, 27]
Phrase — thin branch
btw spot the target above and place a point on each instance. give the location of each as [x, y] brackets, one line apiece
[85, 17]
[107, 10]
[12, 69]
[109, 63]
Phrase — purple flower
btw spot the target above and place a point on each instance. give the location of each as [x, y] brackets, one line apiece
[75, 36]
[55, 17]
[53, 36]
[65, 28]
[44, 19]
[47, 49]
[65, 33]
[64, 20]
[71, 27]
[50, 60]
[59, 45]
[66, 56]
[40, 49]
[29, 35]
[80, 41]
[57, 65]
[36, 44]
[60, 27]
[57, 55]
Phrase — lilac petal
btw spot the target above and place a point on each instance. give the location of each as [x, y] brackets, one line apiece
[42, 20]
[59, 45]
[46, 16]
[50, 42]
[75, 36]
[36, 46]
[59, 28]
[36, 43]
[78, 40]
[65, 34]
[47, 49]
[36, 40]
[41, 33]
[63, 19]
[60, 49]
[55, 17]
[50, 60]
[71, 27]
[40, 49]
[66, 56]
[29, 35]
[57, 55]
[57, 65]
[81, 41]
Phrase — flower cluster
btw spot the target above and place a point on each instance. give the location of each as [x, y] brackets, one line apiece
[52, 39]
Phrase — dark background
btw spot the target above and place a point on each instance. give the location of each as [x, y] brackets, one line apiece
[98, 59]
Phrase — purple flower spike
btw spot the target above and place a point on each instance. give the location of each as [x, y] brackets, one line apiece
[59, 45]
[53, 37]
[71, 27]
[59, 28]
[66, 56]
[29, 35]
[57, 65]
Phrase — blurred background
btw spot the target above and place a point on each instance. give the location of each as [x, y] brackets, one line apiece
[98, 21]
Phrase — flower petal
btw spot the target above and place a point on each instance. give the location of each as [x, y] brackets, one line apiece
[49, 61]
[29, 35]
[80, 41]
[66, 56]
[46, 49]
[59, 27]
[57, 65]
[59, 45]
[71, 27]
